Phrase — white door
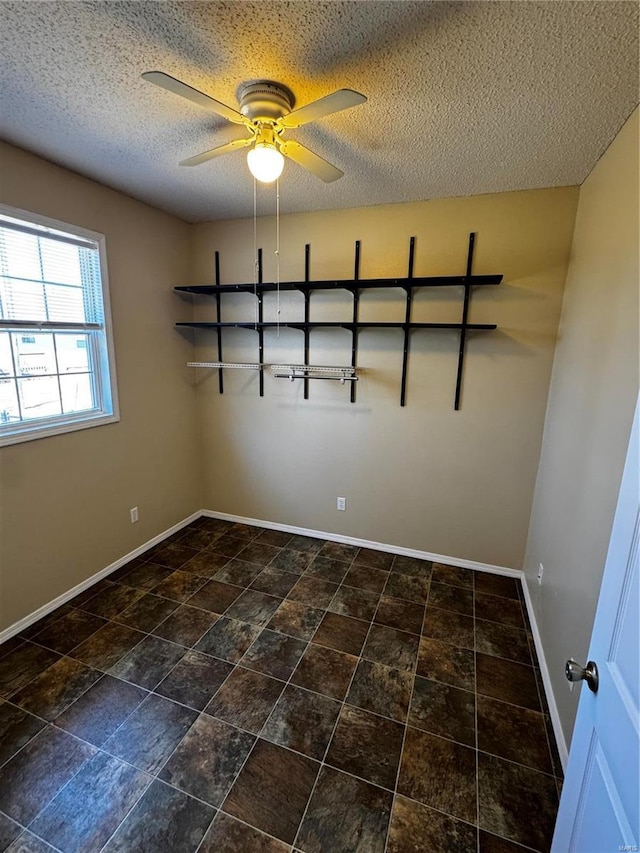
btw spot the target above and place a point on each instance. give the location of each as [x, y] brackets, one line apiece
[599, 806]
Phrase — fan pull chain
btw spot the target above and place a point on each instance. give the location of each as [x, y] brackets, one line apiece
[278, 251]
[255, 249]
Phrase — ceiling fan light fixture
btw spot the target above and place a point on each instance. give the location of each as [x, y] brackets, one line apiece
[265, 162]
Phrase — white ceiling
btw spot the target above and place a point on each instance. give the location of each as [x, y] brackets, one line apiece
[464, 98]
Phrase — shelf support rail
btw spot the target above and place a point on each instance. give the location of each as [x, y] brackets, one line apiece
[407, 319]
[308, 371]
[465, 316]
[220, 380]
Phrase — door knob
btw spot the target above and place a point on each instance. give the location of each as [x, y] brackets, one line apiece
[588, 673]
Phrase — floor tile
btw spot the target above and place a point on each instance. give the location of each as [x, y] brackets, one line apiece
[144, 576]
[274, 581]
[228, 639]
[228, 835]
[194, 680]
[339, 551]
[279, 538]
[215, 596]
[404, 615]
[81, 598]
[17, 727]
[23, 665]
[502, 641]
[246, 699]
[163, 821]
[507, 680]
[296, 619]
[146, 613]
[345, 815]
[439, 773]
[391, 647]
[173, 556]
[228, 546]
[206, 762]
[258, 552]
[274, 654]
[31, 779]
[30, 843]
[245, 531]
[416, 827]
[10, 645]
[327, 569]
[308, 544]
[9, 830]
[517, 734]
[497, 585]
[453, 598]
[453, 575]
[313, 591]
[374, 559]
[272, 790]
[341, 633]
[88, 810]
[292, 561]
[113, 600]
[53, 616]
[381, 689]
[366, 577]
[206, 564]
[443, 710]
[239, 573]
[509, 794]
[179, 586]
[325, 671]
[407, 587]
[69, 631]
[443, 662]
[149, 736]
[449, 627]
[56, 688]
[106, 647]
[412, 566]
[493, 608]
[354, 602]
[214, 525]
[148, 663]
[199, 538]
[186, 625]
[368, 746]
[302, 721]
[98, 712]
[254, 607]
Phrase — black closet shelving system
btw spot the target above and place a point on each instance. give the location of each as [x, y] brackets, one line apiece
[354, 286]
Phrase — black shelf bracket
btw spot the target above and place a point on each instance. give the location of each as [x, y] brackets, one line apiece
[218, 315]
[259, 296]
[307, 306]
[407, 321]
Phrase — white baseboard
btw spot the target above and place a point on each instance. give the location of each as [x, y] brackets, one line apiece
[546, 678]
[85, 584]
[366, 543]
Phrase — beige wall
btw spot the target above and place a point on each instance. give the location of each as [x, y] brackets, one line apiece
[591, 404]
[64, 500]
[453, 483]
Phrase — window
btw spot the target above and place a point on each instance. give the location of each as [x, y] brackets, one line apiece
[56, 354]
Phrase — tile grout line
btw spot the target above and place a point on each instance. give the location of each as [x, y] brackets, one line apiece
[475, 703]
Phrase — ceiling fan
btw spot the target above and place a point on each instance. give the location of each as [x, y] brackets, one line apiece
[266, 112]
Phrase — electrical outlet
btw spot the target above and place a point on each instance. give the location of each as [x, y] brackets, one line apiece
[540, 573]
[133, 512]
[341, 503]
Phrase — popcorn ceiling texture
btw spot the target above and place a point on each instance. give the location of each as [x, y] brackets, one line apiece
[464, 98]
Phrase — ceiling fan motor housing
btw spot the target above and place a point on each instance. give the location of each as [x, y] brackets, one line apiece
[265, 101]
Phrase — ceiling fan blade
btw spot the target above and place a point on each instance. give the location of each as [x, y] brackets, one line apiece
[310, 161]
[234, 145]
[334, 103]
[165, 81]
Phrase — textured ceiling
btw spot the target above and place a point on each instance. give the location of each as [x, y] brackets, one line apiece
[464, 98]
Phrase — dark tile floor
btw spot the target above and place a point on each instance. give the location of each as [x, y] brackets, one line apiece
[241, 689]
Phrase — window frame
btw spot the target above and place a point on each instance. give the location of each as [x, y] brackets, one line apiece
[108, 391]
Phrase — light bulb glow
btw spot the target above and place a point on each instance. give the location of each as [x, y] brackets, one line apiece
[265, 162]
